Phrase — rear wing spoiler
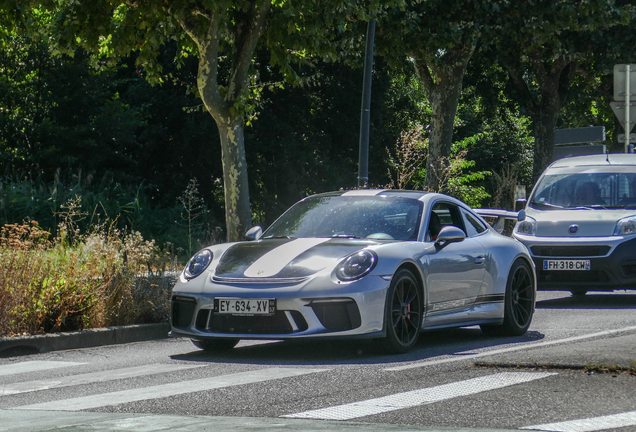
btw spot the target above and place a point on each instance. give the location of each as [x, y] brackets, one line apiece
[501, 216]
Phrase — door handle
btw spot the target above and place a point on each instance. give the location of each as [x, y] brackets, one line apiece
[480, 260]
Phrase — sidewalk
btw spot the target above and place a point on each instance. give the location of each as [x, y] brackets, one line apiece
[22, 345]
[41, 421]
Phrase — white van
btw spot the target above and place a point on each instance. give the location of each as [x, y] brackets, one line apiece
[580, 224]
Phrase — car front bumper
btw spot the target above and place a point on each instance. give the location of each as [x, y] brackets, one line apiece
[315, 308]
[612, 262]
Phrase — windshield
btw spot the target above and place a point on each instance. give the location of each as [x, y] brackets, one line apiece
[378, 217]
[597, 190]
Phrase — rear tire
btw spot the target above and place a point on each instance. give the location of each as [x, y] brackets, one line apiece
[212, 345]
[403, 314]
[518, 303]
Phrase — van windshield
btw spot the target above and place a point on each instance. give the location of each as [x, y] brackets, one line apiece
[596, 189]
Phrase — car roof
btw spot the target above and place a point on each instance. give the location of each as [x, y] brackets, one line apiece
[596, 160]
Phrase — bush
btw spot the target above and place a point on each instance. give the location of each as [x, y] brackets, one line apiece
[76, 281]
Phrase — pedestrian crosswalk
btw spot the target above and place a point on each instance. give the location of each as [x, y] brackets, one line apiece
[34, 366]
[16, 383]
[422, 396]
[109, 375]
[614, 421]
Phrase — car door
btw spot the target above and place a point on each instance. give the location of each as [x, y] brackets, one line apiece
[455, 272]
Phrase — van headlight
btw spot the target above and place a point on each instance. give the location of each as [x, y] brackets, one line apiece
[528, 226]
[626, 226]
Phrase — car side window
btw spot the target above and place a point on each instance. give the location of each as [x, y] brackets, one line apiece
[443, 214]
[473, 225]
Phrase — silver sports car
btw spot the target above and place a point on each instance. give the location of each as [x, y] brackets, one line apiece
[382, 264]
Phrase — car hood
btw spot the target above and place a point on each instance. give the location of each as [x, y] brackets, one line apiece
[285, 258]
[589, 222]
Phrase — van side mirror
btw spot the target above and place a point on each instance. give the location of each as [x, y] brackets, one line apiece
[520, 204]
[521, 215]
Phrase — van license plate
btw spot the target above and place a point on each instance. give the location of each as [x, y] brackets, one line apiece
[566, 265]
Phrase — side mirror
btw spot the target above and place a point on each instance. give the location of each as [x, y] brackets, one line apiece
[521, 215]
[254, 233]
[449, 234]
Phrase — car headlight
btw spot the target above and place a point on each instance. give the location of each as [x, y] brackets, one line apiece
[626, 226]
[356, 265]
[197, 264]
[528, 226]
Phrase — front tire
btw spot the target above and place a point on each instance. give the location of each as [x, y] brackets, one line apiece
[403, 313]
[518, 304]
[215, 345]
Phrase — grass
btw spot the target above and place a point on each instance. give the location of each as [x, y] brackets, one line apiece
[76, 280]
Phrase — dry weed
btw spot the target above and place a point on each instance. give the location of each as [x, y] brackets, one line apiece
[103, 278]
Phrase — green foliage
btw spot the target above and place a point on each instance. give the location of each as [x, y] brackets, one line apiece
[456, 174]
[193, 214]
[127, 205]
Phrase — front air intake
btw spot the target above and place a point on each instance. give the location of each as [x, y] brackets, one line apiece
[337, 315]
[182, 311]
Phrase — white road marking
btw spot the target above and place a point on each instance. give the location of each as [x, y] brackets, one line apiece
[275, 260]
[613, 421]
[34, 366]
[166, 390]
[463, 357]
[419, 397]
[109, 375]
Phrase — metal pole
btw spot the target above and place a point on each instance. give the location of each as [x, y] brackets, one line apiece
[627, 102]
[365, 117]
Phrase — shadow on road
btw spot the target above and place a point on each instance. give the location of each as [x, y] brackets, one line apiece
[454, 342]
[591, 301]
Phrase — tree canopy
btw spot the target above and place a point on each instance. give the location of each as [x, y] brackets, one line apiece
[224, 37]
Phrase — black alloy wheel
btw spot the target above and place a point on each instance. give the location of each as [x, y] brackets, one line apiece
[403, 315]
[518, 304]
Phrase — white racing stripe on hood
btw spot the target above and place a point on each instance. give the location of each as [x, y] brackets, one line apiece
[275, 260]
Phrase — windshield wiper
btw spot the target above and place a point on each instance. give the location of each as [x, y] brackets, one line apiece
[548, 205]
[589, 207]
[345, 236]
[279, 237]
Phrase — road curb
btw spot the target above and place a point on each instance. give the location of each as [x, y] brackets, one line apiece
[22, 345]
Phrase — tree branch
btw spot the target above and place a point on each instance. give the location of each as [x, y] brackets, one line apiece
[423, 74]
[520, 86]
[245, 46]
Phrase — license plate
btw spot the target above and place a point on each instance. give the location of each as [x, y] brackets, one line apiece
[566, 264]
[245, 307]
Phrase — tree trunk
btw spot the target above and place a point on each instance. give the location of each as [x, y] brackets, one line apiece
[443, 85]
[553, 80]
[444, 101]
[238, 217]
[221, 102]
[544, 121]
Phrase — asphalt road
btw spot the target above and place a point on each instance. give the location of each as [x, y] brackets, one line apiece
[562, 375]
